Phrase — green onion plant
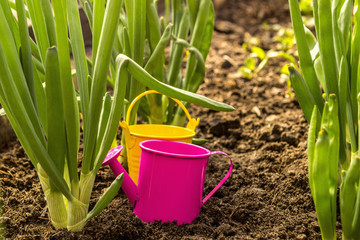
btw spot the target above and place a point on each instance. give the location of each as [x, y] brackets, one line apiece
[172, 48]
[38, 94]
[328, 92]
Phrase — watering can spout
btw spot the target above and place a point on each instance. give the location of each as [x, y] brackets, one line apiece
[128, 184]
[193, 123]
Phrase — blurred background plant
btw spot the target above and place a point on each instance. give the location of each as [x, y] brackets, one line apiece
[258, 57]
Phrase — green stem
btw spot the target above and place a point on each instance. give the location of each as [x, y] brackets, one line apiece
[348, 196]
[138, 43]
[101, 66]
[71, 115]
[98, 19]
[54, 199]
[25, 49]
[77, 215]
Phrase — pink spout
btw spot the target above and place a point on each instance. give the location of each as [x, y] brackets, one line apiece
[128, 184]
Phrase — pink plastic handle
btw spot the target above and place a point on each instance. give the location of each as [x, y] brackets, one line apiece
[222, 181]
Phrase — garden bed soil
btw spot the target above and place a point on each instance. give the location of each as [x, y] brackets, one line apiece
[266, 197]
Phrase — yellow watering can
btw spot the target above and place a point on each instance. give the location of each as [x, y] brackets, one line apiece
[135, 134]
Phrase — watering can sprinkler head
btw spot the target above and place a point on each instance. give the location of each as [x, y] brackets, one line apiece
[128, 184]
[112, 155]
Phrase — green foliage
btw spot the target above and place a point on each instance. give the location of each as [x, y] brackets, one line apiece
[329, 63]
[143, 35]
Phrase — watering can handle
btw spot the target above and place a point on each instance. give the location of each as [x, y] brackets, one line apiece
[192, 122]
[222, 181]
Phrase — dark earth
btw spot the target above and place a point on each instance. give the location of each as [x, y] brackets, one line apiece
[266, 197]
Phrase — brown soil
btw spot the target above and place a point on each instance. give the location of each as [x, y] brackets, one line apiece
[267, 195]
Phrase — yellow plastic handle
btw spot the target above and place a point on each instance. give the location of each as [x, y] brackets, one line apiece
[150, 92]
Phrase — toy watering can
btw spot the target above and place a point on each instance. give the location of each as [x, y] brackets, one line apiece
[171, 180]
[135, 134]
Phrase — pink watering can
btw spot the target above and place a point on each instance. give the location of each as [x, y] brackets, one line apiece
[171, 180]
